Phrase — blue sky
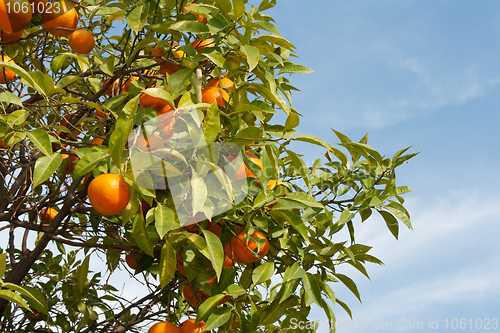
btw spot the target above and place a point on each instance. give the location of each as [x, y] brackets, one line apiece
[426, 74]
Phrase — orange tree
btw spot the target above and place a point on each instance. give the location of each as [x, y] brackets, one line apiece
[79, 81]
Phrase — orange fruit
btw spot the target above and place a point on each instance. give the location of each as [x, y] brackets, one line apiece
[158, 51]
[46, 215]
[179, 55]
[225, 83]
[214, 94]
[201, 44]
[189, 326]
[192, 295]
[165, 127]
[127, 83]
[113, 89]
[108, 194]
[3, 145]
[61, 14]
[158, 104]
[241, 249]
[164, 327]
[81, 41]
[97, 141]
[99, 114]
[10, 36]
[243, 171]
[130, 260]
[168, 68]
[200, 18]
[215, 228]
[71, 164]
[6, 75]
[38, 6]
[15, 15]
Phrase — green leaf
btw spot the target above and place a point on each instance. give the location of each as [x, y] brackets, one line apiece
[349, 284]
[217, 59]
[400, 212]
[296, 222]
[13, 297]
[345, 217]
[165, 220]
[68, 80]
[262, 273]
[211, 124]
[311, 287]
[168, 263]
[36, 299]
[45, 167]
[292, 121]
[26, 77]
[295, 69]
[391, 222]
[190, 26]
[199, 242]
[218, 318]
[215, 251]
[140, 234]
[9, 97]
[199, 192]
[119, 138]
[294, 272]
[81, 273]
[41, 140]
[3, 265]
[58, 62]
[252, 54]
[88, 162]
[179, 81]
[275, 310]
[299, 164]
[207, 307]
[305, 199]
[344, 306]
[18, 117]
[138, 17]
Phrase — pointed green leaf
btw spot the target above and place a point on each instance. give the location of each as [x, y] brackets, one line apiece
[263, 273]
[138, 17]
[190, 26]
[294, 272]
[88, 163]
[252, 54]
[215, 251]
[141, 235]
[15, 298]
[3, 264]
[312, 289]
[9, 97]
[218, 318]
[345, 217]
[168, 263]
[165, 220]
[295, 69]
[45, 167]
[207, 307]
[179, 81]
[349, 284]
[199, 242]
[81, 273]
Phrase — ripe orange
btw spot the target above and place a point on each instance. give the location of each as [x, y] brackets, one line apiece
[215, 228]
[158, 104]
[108, 194]
[82, 41]
[189, 295]
[99, 114]
[200, 18]
[127, 83]
[46, 215]
[38, 6]
[243, 171]
[158, 51]
[214, 94]
[168, 68]
[10, 36]
[6, 75]
[97, 141]
[241, 250]
[130, 260]
[180, 263]
[201, 44]
[71, 163]
[189, 326]
[60, 15]
[15, 15]
[164, 327]
[3, 145]
[225, 83]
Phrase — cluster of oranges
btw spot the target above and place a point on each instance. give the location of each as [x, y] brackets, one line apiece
[59, 18]
[188, 326]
